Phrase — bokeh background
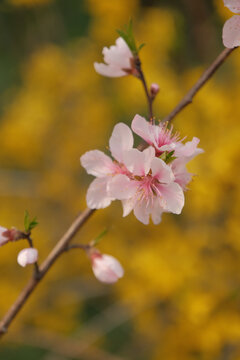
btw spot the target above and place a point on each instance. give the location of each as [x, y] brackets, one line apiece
[180, 297]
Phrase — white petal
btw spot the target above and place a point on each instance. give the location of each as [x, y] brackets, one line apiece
[233, 5]
[96, 163]
[3, 239]
[173, 196]
[118, 55]
[120, 187]
[120, 141]
[109, 70]
[231, 32]
[97, 196]
[139, 162]
[128, 206]
[161, 171]
[182, 176]
[27, 256]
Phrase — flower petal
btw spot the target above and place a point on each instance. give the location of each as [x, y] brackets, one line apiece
[173, 197]
[141, 212]
[231, 32]
[27, 256]
[139, 162]
[97, 196]
[142, 128]
[96, 163]
[120, 141]
[120, 187]
[156, 212]
[189, 149]
[109, 70]
[161, 171]
[182, 176]
[128, 205]
[233, 5]
[118, 55]
[107, 269]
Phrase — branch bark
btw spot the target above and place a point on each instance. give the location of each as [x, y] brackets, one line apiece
[188, 98]
[87, 213]
[43, 269]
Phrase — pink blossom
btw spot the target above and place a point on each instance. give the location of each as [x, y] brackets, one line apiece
[231, 28]
[118, 60]
[27, 256]
[106, 268]
[182, 176]
[163, 139]
[104, 168]
[4, 238]
[150, 190]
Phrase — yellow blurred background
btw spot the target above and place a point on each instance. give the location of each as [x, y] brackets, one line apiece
[180, 297]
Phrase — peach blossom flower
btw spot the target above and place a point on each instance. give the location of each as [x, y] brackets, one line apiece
[27, 256]
[106, 268]
[163, 139]
[150, 190]
[104, 168]
[231, 28]
[118, 60]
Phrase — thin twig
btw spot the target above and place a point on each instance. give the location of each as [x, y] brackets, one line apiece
[150, 99]
[188, 98]
[43, 269]
[85, 215]
[36, 267]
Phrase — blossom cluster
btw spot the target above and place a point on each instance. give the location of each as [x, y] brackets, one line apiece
[149, 182]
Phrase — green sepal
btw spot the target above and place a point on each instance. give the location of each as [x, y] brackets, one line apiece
[167, 156]
[29, 224]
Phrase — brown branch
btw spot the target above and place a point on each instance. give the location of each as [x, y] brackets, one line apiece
[188, 98]
[141, 76]
[62, 244]
[43, 269]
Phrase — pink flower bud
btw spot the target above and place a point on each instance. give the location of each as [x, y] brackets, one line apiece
[27, 256]
[4, 238]
[106, 268]
[154, 89]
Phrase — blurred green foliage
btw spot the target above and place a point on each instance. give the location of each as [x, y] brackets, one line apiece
[180, 297]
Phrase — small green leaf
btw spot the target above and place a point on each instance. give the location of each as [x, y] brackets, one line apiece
[99, 237]
[141, 46]
[128, 36]
[29, 224]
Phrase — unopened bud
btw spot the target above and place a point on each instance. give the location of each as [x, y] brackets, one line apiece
[106, 268]
[154, 89]
[27, 256]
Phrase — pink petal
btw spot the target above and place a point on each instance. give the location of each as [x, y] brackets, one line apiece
[3, 239]
[139, 162]
[141, 212]
[231, 32]
[189, 149]
[156, 212]
[97, 196]
[120, 141]
[161, 171]
[182, 176]
[173, 196]
[107, 269]
[109, 70]
[142, 128]
[121, 187]
[96, 163]
[233, 5]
